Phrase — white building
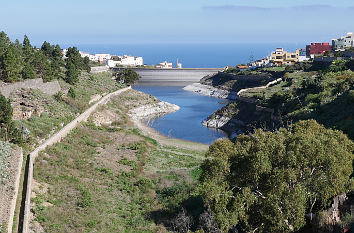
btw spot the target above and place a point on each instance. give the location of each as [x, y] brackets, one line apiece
[262, 62]
[102, 57]
[126, 61]
[344, 42]
[302, 56]
[164, 65]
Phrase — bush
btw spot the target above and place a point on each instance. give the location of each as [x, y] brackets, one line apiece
[128, 76]
[72, 93]
[6, 111]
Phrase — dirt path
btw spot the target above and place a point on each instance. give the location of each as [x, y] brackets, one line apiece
[52, 140]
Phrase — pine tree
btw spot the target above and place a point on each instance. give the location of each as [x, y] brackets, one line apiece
[4, 45]
[87, 66]
[6, 111]
[28, 71]
[57, 55]
[74, 57]
[27, 48]
[47, 49]
[72, 73]
[11, 65]
[42, 66]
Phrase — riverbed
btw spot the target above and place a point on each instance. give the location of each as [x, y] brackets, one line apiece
[185, 123]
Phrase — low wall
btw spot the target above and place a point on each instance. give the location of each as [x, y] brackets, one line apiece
[262, 87]
[52, 140]
[9, 190]
[99, 69]
[50, 88]
[19, 154]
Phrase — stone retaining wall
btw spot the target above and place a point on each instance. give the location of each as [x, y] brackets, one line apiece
[19, 155]
[50, 88]
[99, 69]
[52, 140]
[9, 190]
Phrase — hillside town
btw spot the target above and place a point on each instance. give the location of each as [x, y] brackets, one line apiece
[316, 51]
[123, 61]
[323, 51]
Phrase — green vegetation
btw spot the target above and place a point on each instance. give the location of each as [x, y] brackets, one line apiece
[269, 181]
[128, 76]
[8, 129]
[326, 97]
[111, 180]
[236, 82]
[23, 61]
[60, 109]
[5, 153]
[74, 64]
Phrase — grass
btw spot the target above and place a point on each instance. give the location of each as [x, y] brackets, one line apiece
[92, 198]
[111, 179]
[59, 112]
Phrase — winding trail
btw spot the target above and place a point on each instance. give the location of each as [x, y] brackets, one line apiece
[52, 140]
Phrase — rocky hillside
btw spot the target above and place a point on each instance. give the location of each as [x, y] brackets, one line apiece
[326, 97]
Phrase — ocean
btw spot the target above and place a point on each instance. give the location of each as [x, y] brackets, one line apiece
[187, 122]
[191, 55]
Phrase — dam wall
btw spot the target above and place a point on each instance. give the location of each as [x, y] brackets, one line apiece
[173, 77]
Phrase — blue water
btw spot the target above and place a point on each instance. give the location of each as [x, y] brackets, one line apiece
[186, 123]
[192, 55]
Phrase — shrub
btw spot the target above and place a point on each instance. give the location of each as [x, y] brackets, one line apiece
[72, 93]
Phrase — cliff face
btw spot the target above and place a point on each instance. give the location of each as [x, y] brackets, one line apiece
[241, 116]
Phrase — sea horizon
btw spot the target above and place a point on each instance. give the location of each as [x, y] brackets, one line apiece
[191, 55]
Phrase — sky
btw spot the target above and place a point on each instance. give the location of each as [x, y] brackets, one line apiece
[179, 21]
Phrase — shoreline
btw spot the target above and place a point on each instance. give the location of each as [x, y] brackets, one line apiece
[211, 91]
[139, 115]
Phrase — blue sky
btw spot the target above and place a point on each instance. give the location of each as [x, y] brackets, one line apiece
[179, 21]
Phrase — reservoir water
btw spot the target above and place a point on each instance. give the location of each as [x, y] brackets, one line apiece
[187, 122]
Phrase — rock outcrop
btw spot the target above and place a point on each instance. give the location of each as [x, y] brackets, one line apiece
[153, 110]
[211, 91]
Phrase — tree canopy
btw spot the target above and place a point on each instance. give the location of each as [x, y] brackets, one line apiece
[6, 110]
[23, 61]
[128, 76]
[269, 180]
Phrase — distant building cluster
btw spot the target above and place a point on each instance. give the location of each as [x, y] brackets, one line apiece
[344, 42]
[281, 57]
[164, 65]
[124, 61]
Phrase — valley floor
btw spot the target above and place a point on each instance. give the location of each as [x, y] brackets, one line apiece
[108, 175]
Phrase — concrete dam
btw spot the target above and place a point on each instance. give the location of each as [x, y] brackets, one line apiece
[172, 77]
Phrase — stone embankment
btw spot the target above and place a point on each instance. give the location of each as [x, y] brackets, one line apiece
[52, 140]
[50, 88]
[99, 69]
[9, 189]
